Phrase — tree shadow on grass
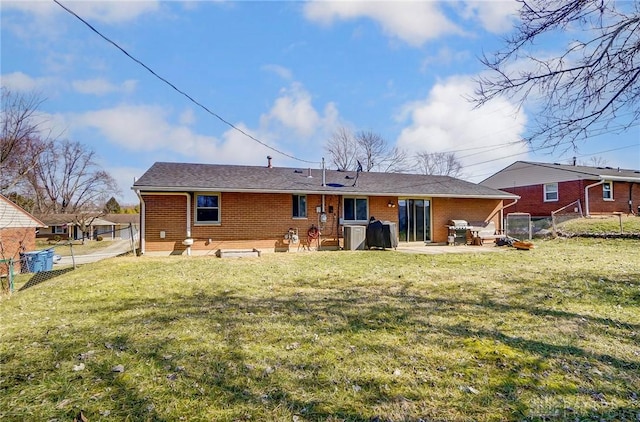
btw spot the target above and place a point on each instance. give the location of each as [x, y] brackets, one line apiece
[295, 381]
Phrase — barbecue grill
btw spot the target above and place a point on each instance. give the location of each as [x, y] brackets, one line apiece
[458, 230]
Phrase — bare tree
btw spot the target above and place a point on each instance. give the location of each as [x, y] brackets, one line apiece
[591, 88]
[21, 140]
[438, 164]
[68, 180]
[370, 149]
[342, 149]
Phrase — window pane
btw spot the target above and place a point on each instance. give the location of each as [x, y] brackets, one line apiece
[299, 206]
[349, 209]
[361, 209]
[302, 208]
[207, 214]
[208, 201]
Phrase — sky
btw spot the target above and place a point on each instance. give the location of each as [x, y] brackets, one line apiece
[246, 80]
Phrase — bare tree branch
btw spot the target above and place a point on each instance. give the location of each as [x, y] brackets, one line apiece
[592, 87]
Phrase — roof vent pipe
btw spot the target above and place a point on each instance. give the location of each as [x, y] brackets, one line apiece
[269, 161]
[309, 173]
[324, 176]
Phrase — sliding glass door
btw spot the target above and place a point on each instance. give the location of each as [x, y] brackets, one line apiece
[414, 217]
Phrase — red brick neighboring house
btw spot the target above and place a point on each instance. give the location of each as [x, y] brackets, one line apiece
[17, 233]
[545, 187]
[236, 207]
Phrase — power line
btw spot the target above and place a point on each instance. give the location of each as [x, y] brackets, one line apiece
[205, 108]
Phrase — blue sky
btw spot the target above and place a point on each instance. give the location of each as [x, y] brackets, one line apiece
[287, 73]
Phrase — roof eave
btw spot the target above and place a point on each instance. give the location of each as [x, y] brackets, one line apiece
[173, 189]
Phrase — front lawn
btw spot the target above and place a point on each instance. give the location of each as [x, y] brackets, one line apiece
[547, 334]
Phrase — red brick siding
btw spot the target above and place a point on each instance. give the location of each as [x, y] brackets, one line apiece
[12, 242]
[471, 210]
[532, 198]
[260, 220]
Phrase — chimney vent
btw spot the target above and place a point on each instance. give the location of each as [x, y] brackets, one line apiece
[269, 161]
[574, 161]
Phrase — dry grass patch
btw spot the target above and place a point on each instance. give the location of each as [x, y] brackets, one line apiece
[546, 334]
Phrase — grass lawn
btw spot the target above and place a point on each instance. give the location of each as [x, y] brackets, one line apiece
[601, 225]
[547, 334]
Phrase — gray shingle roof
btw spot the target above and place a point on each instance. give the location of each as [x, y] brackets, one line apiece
[184, 177]
[593, 171]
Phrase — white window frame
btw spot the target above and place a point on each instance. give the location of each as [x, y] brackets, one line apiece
[356, 199]
[609, 191]
[208, 222]
[59, 229]
[547, 192]
[294, 198]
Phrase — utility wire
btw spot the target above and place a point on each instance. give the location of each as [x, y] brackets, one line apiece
[205, 108]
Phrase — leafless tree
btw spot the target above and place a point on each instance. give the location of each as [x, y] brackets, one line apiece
[370, 149]
[594, 161]
[342, 149]
[21, 140]
[438, 164]
[68, 180]
[591, 88]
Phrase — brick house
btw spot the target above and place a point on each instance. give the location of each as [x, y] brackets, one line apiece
[17, 233]
[545, 187]
[236, 207]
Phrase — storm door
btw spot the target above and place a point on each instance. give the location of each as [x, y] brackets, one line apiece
[414, 217]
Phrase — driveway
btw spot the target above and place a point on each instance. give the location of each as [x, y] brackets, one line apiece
[115, 248]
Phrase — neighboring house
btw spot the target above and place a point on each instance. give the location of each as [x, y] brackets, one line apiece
[235, 207]
[544, 188]
[17, 233]
[108, 226]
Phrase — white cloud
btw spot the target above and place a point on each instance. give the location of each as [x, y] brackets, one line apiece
[281, 71]
[21, 82]
[412, 22]
[416, 22]
[100, 86]
[295, 111]
[484, 140]
[494, 15]
[102, 11]
[148, 129]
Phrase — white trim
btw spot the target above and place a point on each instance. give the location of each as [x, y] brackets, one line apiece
[586, 196]
[195, 211]
[337, 191]
[611, 198]
[545, 192]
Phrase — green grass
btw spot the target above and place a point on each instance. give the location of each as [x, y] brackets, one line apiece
[601, 225]
[547, 334]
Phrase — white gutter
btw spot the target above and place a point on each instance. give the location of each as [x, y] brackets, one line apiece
[586, 196]
[142, 224]
[336, 191]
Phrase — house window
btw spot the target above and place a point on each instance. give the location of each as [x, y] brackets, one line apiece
[208, 209]
[59, 229]
[355, 209]
[550, 192]
[607, 191]
[299, 206]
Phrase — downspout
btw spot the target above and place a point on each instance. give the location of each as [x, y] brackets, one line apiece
[586, 196]
[143, 210]
[142, 222]
[188, 241]
[501, 211]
